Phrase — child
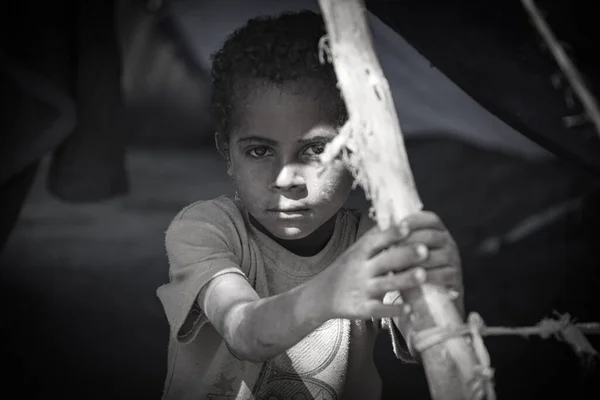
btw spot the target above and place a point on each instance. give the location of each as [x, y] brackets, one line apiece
[277, 293]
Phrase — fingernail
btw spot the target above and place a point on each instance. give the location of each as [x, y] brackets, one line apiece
[420, 275]
[403, 229]
[453, 294]
[422, 251]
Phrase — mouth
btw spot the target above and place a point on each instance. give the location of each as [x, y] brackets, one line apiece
[289, 213]
[288, 210]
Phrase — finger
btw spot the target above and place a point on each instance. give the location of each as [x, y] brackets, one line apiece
[432, 238]
[377, 240]
[379, 310]
[423, 220]
[402, 281]
[440, 257]
[397, 258]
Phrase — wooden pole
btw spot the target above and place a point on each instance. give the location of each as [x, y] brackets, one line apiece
[380, 165]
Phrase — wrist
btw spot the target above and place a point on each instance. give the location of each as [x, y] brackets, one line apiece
[309, 309]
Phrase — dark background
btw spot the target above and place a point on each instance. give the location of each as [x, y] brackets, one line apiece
[86, 200]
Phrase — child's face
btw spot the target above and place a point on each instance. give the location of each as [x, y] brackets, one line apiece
[274, 162]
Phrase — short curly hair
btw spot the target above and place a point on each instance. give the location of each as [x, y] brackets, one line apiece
[276, 49]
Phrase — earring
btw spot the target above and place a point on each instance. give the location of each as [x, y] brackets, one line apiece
[236, 198]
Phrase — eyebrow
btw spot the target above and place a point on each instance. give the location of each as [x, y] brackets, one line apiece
[319, 134]
[311, 139]
[317, 138]
[257, 139]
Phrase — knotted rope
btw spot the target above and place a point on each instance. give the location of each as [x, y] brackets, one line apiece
[562, 329]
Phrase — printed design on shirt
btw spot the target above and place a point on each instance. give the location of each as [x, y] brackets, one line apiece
[224, 388]
[310, 369]
[225, 379]
[295, 388]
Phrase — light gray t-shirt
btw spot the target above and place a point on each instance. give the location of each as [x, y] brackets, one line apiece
[214, 237]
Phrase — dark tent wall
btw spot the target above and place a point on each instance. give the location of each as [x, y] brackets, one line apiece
[493, 52]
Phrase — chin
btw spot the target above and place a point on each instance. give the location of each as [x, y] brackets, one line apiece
[291, 233]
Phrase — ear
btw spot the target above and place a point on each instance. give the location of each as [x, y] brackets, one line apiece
[220, 144]
[223, 148]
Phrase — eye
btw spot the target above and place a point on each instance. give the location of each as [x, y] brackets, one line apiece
[315, 149]
[258, 151]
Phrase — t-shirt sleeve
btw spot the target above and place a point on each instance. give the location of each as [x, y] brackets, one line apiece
[399, 345]
[199, 249]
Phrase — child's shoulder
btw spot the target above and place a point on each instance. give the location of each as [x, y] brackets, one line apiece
[211, 209]
[221, 212]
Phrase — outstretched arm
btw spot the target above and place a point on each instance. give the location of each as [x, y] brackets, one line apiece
[257, 329]
[351, 287]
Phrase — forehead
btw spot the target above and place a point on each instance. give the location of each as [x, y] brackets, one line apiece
[285, 113]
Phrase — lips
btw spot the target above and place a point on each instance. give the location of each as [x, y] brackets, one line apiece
[290, 213]
[288, 210]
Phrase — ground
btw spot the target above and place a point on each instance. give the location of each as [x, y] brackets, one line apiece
[81, 318]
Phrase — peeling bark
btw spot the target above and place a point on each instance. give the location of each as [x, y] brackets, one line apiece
[372, 145]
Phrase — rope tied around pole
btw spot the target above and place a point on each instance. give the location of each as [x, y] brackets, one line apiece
[483, 385]
[562, 328]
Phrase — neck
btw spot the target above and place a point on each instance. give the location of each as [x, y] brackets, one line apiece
[307, 246]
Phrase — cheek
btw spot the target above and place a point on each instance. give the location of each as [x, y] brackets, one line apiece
[335, 183]
[248, 179]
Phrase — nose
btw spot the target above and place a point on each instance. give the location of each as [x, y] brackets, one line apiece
[289, 179]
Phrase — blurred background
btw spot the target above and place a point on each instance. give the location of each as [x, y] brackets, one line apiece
[106, 137]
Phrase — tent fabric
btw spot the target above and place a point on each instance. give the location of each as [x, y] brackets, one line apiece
[455, 71]
[426, 100]
[493, 52]
[60, 81]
